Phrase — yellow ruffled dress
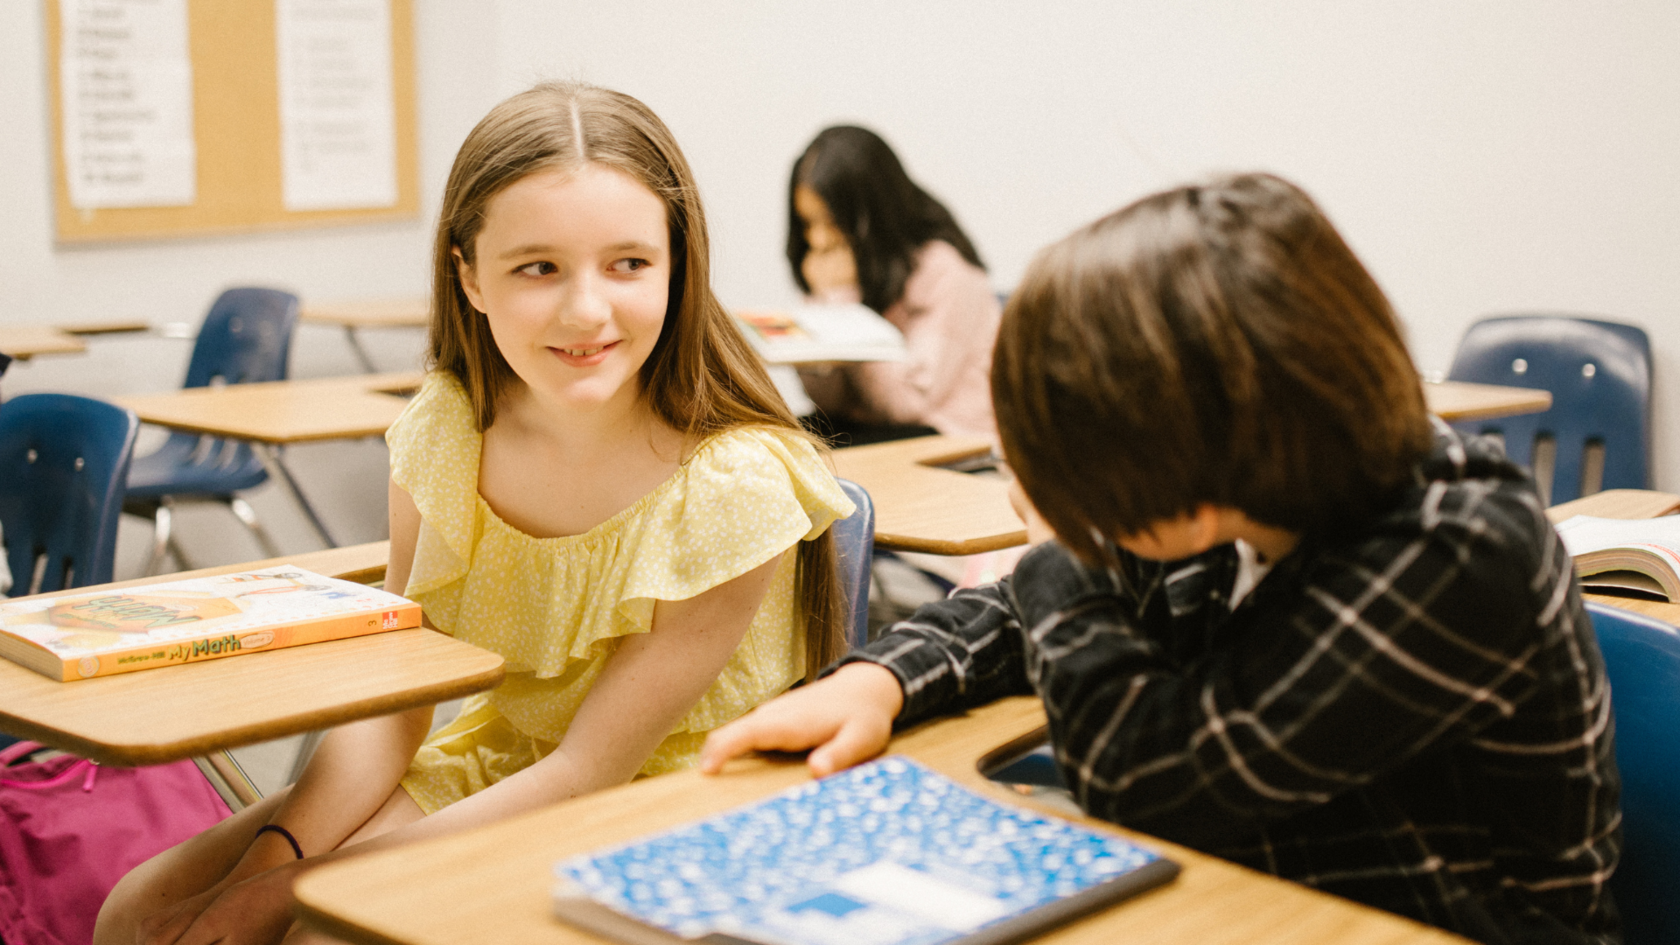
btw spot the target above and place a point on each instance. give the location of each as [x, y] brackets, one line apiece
[554, 608]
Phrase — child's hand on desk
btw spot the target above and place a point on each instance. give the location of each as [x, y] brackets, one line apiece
[1038, 531]
[847, 718]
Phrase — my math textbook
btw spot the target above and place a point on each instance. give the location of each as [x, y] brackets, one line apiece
[887, 853]
[79, 635]
[816, 333]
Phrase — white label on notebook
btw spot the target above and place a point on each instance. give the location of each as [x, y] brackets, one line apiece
[938, 902]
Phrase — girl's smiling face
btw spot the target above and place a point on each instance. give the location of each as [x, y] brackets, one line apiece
[573, 270]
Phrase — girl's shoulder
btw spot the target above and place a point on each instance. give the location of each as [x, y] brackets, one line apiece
[941, 273]
[441, 401]
[745, 466]
[436, 430]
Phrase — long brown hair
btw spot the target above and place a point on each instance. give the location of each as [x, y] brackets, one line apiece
[702, 377]
[1217, 343]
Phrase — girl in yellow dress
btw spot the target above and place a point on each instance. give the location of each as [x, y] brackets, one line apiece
[597, 481]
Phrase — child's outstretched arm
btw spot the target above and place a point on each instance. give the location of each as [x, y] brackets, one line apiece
[949, 655]
[847, 718]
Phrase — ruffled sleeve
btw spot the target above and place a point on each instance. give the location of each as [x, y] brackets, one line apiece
[746, 496]
[556, 608]
[434, 458]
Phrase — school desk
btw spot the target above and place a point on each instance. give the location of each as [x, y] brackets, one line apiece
[1462, 400]
[88, 329]
[1625, 503]
[159, 715]
[272, 414]
[920, 506]
[352, 316]
[491, 885]
[26, 341]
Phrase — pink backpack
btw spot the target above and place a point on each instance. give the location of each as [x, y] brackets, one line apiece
[69, 829]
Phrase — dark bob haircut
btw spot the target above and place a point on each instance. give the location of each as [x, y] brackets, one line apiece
[1217, 343]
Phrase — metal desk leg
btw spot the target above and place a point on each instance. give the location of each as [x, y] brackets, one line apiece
[361, 352]
[270, 456]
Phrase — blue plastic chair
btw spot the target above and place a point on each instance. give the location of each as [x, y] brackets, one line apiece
[1642, 658]
[854, 545]
[1599, 376]
[246, 338]
[63, 460]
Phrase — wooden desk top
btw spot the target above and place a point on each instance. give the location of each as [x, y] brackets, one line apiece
[369, 313]
[921, 507]
[129, 326]
[1459, 400]
[1625, 503]
[160, 715]
[491, 885]
[26, 341]
[327, 408]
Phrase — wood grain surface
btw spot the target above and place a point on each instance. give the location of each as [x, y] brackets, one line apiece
[158, 715]
[326, 408]
[922, 507]
[492, 885]
[1461, 400]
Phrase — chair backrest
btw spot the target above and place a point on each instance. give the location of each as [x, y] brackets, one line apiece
[854, 545]
[1642, 658]
[63, 465]
[1599, 376]
[247, 337]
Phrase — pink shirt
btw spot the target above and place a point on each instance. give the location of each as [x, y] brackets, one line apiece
[949, 316]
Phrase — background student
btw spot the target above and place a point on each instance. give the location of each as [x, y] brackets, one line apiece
[859, 229]
[597, 481]
[1286, 620]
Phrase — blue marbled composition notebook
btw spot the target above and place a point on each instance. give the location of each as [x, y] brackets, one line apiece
[887, 852]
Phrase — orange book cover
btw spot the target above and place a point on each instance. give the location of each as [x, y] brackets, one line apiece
[80, 635]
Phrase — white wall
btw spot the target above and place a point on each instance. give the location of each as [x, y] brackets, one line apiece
[1495, 156]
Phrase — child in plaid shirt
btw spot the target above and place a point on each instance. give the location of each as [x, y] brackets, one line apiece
[1287, 618]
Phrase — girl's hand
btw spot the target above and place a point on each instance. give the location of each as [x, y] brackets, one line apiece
[847, 718]
[257, 911]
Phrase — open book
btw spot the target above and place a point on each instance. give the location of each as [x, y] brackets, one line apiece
[816, 333]
[887, 853]
[78, 635]
[1626, 555]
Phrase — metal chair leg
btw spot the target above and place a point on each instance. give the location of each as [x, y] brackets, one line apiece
[276, 466]
[223, 772]
[162, 522]
[361, 352]
[248, 517]
[180, 555]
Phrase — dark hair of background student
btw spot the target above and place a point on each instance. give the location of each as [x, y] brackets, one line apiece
[1209, 344]
[884, 215]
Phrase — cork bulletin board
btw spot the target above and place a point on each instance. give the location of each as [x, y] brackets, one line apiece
[235, 131]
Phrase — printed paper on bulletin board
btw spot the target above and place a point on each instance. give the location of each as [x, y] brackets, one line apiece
[238, 181]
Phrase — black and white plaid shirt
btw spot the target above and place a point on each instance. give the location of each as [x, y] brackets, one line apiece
[1415, 717]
